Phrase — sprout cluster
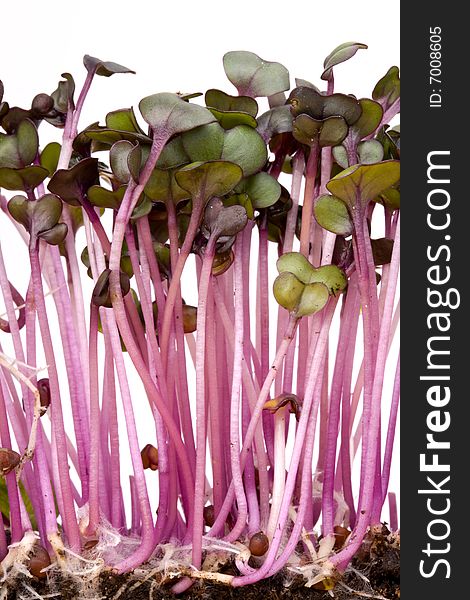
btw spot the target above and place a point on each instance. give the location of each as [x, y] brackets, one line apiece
[205, 186]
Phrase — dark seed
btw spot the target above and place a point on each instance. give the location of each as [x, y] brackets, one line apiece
[259, 544]
[44, 393]
[90, 544]
[9, 459]
[209, 515]
[189, 318]
[38, 561]
[341, 534]
[149, 456]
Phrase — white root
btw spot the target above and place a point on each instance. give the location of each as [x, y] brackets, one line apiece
[361, 594]
[18, 554]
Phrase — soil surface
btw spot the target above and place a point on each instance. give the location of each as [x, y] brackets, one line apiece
[375, 574]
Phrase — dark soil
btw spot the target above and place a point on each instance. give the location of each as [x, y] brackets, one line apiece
[379, 562]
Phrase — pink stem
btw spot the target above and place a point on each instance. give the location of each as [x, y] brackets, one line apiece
[388, 453]
[366, 500]
[235, 397]
[296, 453]
[200, 480]
[95, 441]
[68, 516]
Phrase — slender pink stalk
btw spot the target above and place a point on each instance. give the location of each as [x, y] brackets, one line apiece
[392, 421]
[345, 336]
[68, 514]
[255, 415]
[95, 441]
[200, 479]
[366, 500]
[235, 397]
[296, 452]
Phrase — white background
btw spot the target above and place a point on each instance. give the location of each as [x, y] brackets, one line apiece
[178, 46]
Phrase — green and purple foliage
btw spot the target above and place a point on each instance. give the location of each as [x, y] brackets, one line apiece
[188, 179]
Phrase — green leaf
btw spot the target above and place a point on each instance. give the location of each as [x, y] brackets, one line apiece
[36, 216]
[204, 143]
[99, 196]
[46, 213]
[242, 200]
[253, 76]
[309, 101]
[28, 141]
[110, 136]
[287, 290]
[173, 154]
[331, 214]
[369, 120]
[19, 149]
[297, 264]
[275, 121]
[227, 103]
[220, 220]
[56, 235]
[163, 187]
[103, 68]
[230, 119]
[101, 296]
[123, 120]
[246, 148]
[330, 275]
[63, 97]
[142, 209]
[9, 157]
[125, 160]
[341, 105]
[340, 54]
[72, 184]
[170, 114]
[19, 209]
[134, 161]
[306, 129]
[278, 99]
[22, 179]
[314, 297]
[333, 131]
[50, 157]
[305, 83]
[13, 117]
[390, 198]
[328, 132]
[387, 89]
[370, 151]
[209, 179]
[241, 145]
[359, 184]
[189, 95]
[262, 189]
[340, 155]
